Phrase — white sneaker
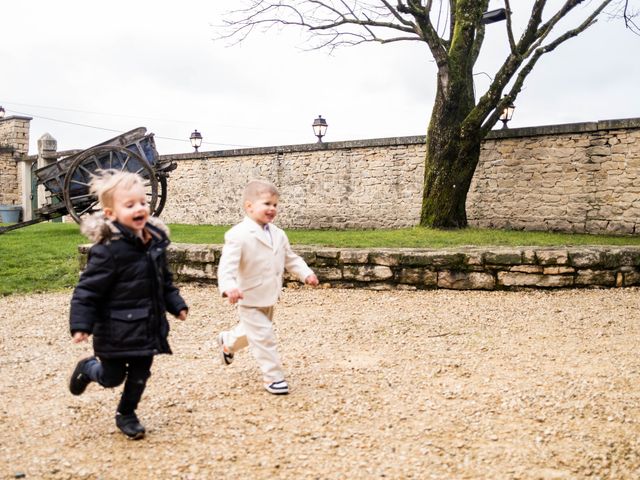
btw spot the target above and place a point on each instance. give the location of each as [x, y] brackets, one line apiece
[278, 388]
[225, 355]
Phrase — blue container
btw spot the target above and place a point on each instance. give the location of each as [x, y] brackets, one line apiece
[10, 213]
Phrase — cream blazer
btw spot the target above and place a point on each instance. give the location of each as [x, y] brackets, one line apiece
[251, 264]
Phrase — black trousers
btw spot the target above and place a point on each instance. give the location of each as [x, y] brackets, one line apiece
[133, 371]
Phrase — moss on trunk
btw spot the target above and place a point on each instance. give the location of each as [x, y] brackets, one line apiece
[453, 150]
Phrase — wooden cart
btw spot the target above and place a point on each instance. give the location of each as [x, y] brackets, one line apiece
[67, 181]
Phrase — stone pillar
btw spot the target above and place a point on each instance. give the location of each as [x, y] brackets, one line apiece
[24, 176]
[47, 148]
[14, 146]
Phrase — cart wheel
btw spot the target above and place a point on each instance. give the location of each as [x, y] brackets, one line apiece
[162, 194]
[77, 197]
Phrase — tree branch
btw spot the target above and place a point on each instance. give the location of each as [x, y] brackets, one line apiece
[323, 20]
[627, 15]
[336, 23]
[512, 42]
[535, 19]
[545, 29]
[526, 70]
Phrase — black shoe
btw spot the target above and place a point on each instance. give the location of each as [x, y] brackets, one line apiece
[79, 380]
[130, 425]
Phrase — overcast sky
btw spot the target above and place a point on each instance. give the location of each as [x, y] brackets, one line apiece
[86, 71]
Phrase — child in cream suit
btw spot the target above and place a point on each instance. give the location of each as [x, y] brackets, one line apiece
[250, 273]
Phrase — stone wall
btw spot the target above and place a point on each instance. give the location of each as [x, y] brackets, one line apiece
[463, 268]
[368, 184]
[578, 178]
[573, 178]
[14, 143]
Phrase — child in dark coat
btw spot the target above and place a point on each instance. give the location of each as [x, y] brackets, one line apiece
[123, 295]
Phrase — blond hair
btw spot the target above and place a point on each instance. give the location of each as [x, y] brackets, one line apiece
[255, 188]
[105, 182]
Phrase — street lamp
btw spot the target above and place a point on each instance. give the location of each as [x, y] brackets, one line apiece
[1, 112]
[493, 16]
[507, 114]
[196, 139]
[320, 127]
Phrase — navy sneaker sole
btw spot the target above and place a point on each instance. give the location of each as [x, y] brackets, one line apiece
[278, 388]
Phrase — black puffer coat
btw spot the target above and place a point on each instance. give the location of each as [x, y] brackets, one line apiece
[124, 292]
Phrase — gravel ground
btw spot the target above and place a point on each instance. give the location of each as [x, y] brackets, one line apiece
[428, 384]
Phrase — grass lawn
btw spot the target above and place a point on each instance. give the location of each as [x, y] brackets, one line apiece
[43, 257]
[39, 258]
[416, 237]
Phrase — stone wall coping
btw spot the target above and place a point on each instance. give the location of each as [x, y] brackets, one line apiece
[565, 128]
[559, 129]
[15, 117]
[304, 147]
[458, 268]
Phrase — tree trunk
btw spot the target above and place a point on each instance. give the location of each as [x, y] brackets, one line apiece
[453, 150]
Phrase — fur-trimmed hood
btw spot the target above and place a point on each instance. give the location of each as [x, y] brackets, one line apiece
[97, 228]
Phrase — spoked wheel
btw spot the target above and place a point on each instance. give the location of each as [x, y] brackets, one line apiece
[162, 194]
[77, 197]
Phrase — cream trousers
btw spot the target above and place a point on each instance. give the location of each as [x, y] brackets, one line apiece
[255, 329]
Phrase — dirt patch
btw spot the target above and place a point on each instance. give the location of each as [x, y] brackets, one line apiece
[430, 384]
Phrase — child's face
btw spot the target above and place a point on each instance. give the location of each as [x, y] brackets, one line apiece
[130, 208]
[263, 209]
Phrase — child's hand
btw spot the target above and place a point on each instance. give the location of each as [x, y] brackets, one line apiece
[234, 295]
[312, 280]
[183, 314]
[80, 337]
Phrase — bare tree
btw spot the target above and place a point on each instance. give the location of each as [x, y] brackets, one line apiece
[453, 31]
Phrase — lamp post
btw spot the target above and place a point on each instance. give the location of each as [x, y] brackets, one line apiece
[507, 114]
[196, 139]
[1, 112]
[320, 127]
